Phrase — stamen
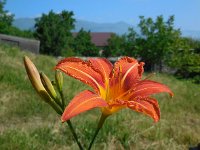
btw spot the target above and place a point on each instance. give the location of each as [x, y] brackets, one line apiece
[126, 93]
[120, 76]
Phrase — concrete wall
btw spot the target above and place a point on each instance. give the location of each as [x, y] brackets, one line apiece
[24, 43]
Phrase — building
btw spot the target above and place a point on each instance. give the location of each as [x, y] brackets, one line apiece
[99, 39]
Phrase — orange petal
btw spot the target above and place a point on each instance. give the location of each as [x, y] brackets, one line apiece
[148, 106]
[128, 70]
[147, 87]
[133, 74]
[103, 65]
[84, 101]
[81, 70]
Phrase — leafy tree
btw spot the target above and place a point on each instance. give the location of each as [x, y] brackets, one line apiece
[131, 45]
[83, 46]
[186, 60]
[125, 44]
[194, 44]
[6, 18]
[158, 40]
[53, 31]
[116, 46]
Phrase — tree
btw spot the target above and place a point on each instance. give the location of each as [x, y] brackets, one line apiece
[83, 46]
[6, 18]
[158, 40]
[131, 45]
[193, 43]
[116, 46]
[186, 60]
[123, 45]
[53, 31]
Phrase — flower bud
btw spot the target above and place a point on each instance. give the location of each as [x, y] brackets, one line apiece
[34, 77]
[59, 80]
[48, 85]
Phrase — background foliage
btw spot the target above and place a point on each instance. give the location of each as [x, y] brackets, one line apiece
[6, 19]
[83, 46]
[53, 31]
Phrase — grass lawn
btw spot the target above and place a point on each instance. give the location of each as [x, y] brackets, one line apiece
[26, 122]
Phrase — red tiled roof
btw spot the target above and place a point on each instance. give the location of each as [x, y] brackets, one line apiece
[99, 38]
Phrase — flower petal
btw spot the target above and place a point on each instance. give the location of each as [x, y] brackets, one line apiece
[103, 65]
[128, 70]
[148, 87]
[84, 101]
[81, 70]
[148, 106]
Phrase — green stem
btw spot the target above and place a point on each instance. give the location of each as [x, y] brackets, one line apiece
[55, 107]
[100, 124]
[74, 134]
[63, 100]
[57, 100]
[69, 123]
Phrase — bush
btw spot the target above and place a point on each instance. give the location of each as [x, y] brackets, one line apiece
[188, 65]
[10, 30]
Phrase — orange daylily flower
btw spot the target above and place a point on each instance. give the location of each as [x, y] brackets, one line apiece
[115, 87]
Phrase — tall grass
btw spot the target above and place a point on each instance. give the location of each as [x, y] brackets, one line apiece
[26, 122]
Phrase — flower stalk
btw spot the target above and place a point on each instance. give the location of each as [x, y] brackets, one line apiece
[74, 134]
[100, 125]
[69, 122]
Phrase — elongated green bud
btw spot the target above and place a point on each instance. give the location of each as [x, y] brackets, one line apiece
[48, 85]
[59, 80]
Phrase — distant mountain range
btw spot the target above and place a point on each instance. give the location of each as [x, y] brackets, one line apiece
[118, 27]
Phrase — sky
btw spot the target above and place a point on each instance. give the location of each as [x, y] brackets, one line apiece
[187, 12]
